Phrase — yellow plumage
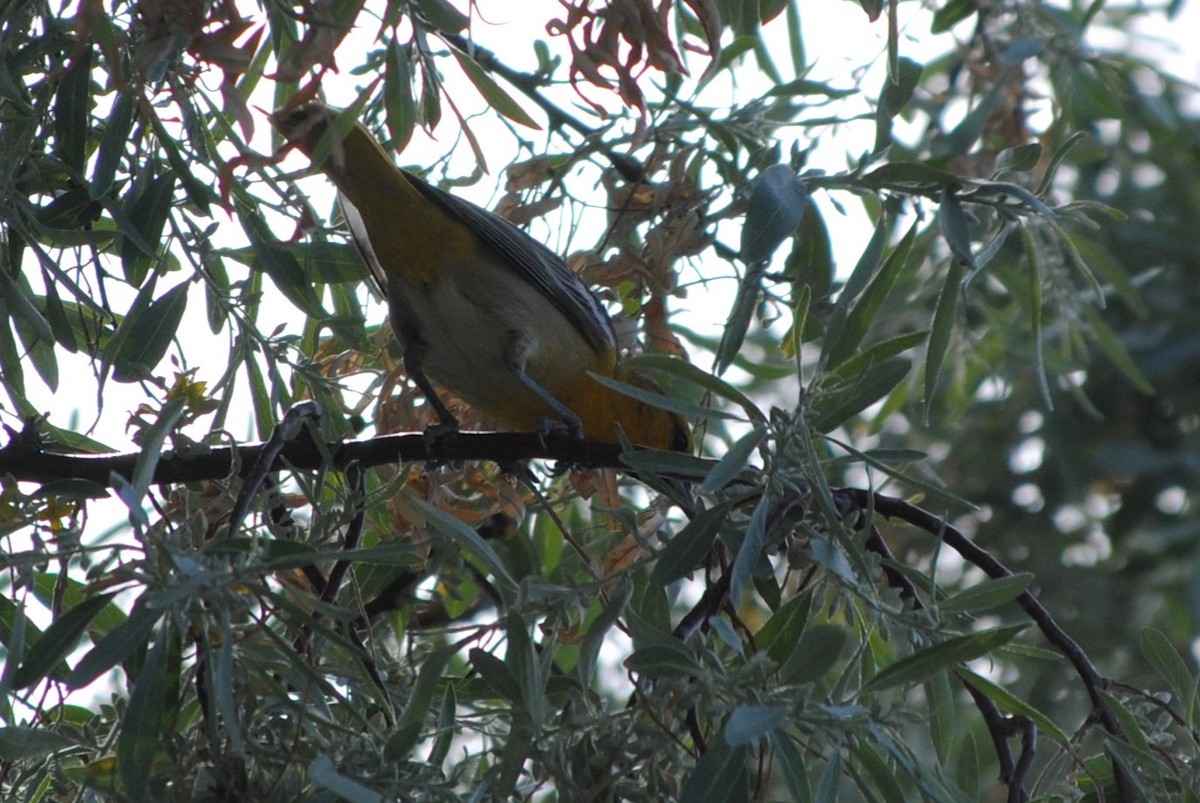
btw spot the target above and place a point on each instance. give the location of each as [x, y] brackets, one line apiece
[479, 306]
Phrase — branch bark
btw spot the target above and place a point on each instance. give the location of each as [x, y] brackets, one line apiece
[26, 463]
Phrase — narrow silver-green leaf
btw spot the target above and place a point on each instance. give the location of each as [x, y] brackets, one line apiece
[115, 647]
[408, 725]
[987, 595]
[323, 772]
[719, 776]
[58, 641]
[1162, 655]
[468, 540]
[836, 404]
[140, 736]
[21, 743]
[689, 546]
[499, 100]
[733, 461]
[952, 651]
[145, 334]
[1034, 278]
[862, 314]
[817, 652]
[943, 327]
[1011, 704]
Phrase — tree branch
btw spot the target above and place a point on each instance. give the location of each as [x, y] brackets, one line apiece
[27, 463]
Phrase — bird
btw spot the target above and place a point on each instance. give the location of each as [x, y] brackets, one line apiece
[478, 305]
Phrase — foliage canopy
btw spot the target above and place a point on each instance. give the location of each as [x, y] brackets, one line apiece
[351, 610]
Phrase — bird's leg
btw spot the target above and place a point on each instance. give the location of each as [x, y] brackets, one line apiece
[519, 348]
[547, 425]
[447, 423]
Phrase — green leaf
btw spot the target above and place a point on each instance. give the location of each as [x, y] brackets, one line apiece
[882, 775]
[398, 101]
[955, 229]
[941, 715]
[145, 334]
[791, 769]
[806, 87]
[140, 735]
[409, 724]
[22, 744]
[719, 776]
[466, 539]
[1162, 655]
[910, 176]
[952, 651]
[749, 723]
[589, 649]
[943, 327]
[41, 353]
[499, 100]
[58, 641]
[729, 54]
[968, 767]
[874, 356]
[132, 492]
[773, 212]
[19, 296]
[56, 316]
[836, 403]
[684, 408]
[116, 646]
[810, 263]
[1110, 343]
[1133, 732]
[12, 371]
[898, 88]
[443, 15]
[864, 269]
[1021, 158]
[1011, 704]
[143, 217]
[521, 655]
[497, 675]
[733, 334]
[113, 141]
[987, 595]
[778, 636]
[279, 263]
[71, 106]
[750, 552]
[817, 652]
[733, 461]
[518, 746]
[445, 728]
[952, 13]
[691, 373]
[1034, 282]
[862, 314]
[689, 546]
[323, 772]
[659, 661]
[216, 292]
[831, 778]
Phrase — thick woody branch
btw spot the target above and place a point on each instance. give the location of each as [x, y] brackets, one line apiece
[29, 464]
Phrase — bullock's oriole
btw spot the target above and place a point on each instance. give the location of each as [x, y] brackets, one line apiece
[479, 306]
